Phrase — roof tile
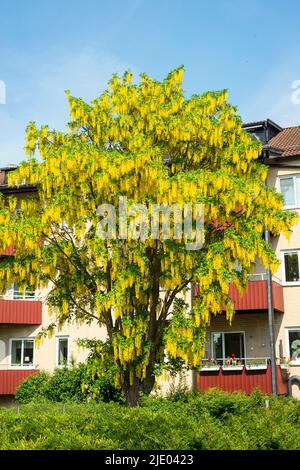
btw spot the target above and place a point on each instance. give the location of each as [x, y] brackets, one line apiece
[288, 140]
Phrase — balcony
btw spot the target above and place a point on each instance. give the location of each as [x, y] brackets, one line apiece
[20, 308]
[255, 297]
[246, 377]
[10, 379]
[9, 251]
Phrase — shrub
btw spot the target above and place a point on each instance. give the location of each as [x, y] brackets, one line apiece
[199, 422]
[67, 384]
[32, 388]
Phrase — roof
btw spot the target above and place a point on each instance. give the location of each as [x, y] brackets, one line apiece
[288, 141]
[262, 124]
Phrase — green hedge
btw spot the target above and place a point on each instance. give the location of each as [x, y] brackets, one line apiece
[66, 384]
[213, 420]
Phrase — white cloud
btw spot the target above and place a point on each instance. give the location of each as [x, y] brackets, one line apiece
[274, 99]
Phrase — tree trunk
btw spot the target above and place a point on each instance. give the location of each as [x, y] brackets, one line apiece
[148, 384]
[132, 391]
[132, 394]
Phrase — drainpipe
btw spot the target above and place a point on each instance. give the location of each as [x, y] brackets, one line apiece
[270, 298]
[194, 372]
[271, 322]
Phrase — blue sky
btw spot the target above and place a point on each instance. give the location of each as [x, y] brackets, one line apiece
[48, 46]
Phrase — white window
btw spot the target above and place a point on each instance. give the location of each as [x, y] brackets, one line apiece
[21, 294]
[289, 187]
[227, 345]
[62, 351]
[21, 352]
[291, 266]
[293, 344]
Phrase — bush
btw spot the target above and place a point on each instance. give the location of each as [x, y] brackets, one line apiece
[67, 384]
[32, 388]
[213, 420]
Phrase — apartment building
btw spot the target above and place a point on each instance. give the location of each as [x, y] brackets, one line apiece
[237, 356]
[22, 315]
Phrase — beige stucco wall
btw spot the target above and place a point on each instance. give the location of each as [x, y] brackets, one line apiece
[45, 354]
[296, 390]
[167, 383]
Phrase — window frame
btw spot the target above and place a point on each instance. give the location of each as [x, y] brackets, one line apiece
[58, 338]
[34, 297]
[223, 342]
[288, 329]
[284, 281]
[22, 366]
[296, 204]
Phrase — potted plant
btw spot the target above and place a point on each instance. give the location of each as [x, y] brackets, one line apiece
[211, 364]
[256, 363]
[233, 363]
[284, 362]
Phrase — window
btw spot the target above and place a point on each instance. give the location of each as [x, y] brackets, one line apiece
[21, 294]
[293, 337]
[290, 189]
[227, 344]
[62, 345]
[291, 271]
[21, 352]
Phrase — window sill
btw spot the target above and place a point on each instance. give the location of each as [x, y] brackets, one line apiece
[21, 298]
[291, 208]
[31, 367]
[291, 284]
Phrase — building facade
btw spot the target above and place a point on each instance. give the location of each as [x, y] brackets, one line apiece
[237, 355]
[22, 316]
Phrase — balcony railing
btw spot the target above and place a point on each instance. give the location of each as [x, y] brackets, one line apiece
[250, 363]
[255, 297]
[17, 307]
[245, 375]
[11, 378]
[9, 251]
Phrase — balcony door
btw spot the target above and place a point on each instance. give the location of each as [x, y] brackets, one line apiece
[225, 345]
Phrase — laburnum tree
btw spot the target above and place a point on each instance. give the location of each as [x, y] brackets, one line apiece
[150, 143]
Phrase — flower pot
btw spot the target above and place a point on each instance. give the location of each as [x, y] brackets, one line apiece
[210, 368]
[233, 368]
[256, 367]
